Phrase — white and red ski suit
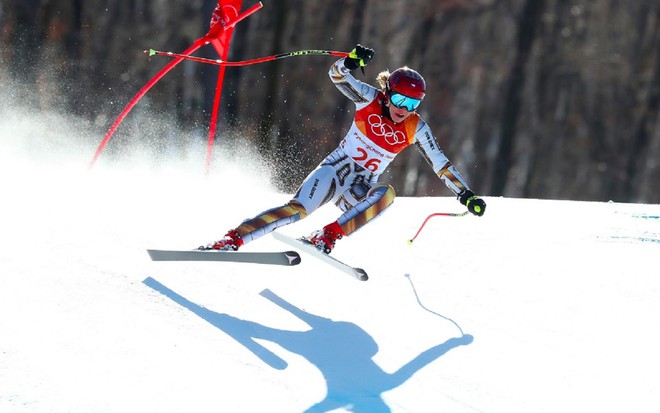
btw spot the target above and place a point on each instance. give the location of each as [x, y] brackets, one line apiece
[349, 175]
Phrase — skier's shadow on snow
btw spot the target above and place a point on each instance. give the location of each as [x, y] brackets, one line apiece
[342, 351]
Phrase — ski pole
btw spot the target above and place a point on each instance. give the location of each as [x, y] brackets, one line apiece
[437, 214]
[218, 62]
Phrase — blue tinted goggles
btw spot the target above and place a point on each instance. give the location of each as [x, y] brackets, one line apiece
[401, 101]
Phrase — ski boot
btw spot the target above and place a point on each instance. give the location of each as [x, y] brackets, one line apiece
[231, 242]
[324, 239]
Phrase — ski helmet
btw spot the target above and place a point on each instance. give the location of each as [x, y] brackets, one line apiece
[407, 82]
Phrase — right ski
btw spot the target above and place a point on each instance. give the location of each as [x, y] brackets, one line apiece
[310, 249]
[272, 258]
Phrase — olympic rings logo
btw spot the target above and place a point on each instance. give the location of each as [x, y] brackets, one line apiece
[380, 128]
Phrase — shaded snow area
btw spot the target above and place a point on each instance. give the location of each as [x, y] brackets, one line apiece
[539, 306]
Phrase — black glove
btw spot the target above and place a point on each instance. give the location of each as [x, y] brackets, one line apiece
[358, 57]
[474, 204]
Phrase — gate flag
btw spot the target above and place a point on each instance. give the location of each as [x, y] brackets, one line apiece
[224, 18]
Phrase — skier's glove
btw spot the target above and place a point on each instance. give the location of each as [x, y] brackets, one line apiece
[474, 204]
[358, 57]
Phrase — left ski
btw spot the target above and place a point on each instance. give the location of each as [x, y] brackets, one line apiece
[310, 249]
[271, 258]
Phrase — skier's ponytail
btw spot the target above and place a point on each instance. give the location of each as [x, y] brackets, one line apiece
[382, 79]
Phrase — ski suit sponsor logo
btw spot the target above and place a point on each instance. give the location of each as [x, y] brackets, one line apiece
[430, 140]
[313, 190]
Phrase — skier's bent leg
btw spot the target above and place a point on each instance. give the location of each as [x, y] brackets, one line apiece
[377, 200]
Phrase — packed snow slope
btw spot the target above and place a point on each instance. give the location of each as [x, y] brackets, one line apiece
[538, 306]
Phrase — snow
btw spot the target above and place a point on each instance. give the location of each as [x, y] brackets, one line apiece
[539, 305]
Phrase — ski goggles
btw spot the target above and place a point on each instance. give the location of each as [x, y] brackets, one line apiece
[401, 101]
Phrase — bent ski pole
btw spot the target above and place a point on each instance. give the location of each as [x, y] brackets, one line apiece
[437, 214]
[218, 62]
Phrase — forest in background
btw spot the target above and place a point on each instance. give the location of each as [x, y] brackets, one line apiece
[553, 99]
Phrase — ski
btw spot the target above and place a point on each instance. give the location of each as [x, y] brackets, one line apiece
[310, 249]
[270, 258]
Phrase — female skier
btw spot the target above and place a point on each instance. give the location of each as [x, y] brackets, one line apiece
[385, 122]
